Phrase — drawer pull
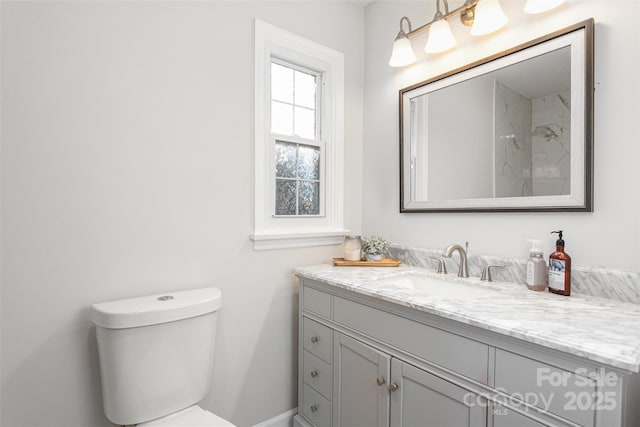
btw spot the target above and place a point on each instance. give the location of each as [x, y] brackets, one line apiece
[380, 381]
[314, 373]
[313, 408]
[393, 387]
[314, 339]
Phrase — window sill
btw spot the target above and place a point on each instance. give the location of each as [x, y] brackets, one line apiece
[268, 241]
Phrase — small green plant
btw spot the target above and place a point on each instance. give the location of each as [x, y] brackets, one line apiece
[374, 245]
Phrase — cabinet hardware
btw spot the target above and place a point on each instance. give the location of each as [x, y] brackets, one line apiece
[313, 408]
[380, 381]
[314, 339]
[314, 373]
[393, 387]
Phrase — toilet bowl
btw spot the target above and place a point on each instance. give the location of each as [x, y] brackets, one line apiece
[156, 355]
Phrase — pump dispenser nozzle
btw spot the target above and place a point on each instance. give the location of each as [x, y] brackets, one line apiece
[559, 242]
[534, 246]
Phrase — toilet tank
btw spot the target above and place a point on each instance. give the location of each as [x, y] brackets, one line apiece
[155, 352]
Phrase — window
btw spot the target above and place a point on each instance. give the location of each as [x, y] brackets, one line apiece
[294, 115]
[299, 139]
[293, 100]
[297, 179]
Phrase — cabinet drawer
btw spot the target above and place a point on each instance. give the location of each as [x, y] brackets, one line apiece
[467, 357]
[547, 387]
[315, 407]
[317, 373]
[317, 339]
[316, 301]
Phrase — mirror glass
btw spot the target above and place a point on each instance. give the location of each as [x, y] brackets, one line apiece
[508, 133]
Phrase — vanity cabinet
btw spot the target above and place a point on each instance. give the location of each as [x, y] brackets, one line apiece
[374, 389]
[368, 362]
[316, 372]
[504, 417]
[361, 384]
[424, 399]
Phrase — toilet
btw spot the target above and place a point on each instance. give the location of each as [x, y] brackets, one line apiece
[156, 356]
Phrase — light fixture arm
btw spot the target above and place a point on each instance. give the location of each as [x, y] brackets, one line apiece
[467, 6]
[439, 14]
[401, 33]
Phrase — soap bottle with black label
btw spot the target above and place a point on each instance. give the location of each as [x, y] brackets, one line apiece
[559, 269]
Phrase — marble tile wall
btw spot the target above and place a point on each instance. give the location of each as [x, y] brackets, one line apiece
[600, 282]
[532, 143]
[512, 142]
[551, 144]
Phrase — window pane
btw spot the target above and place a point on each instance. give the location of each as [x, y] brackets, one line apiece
[281, 118]
[297, 166]
[281, 83]
[305, 89]
[309, 198]
[308, 162]
[305, 123]
[285, 159]
[285, 197]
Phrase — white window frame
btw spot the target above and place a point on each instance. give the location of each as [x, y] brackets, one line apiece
[271, 231]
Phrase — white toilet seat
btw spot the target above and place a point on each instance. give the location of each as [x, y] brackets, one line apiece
[193, 416]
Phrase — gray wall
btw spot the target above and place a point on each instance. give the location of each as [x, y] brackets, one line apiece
[608, 237]
[466, 142]
[127, 169]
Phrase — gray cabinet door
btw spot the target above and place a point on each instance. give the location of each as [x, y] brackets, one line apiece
[360, 386]
[505, 417]
[502, 416]
[422, 399]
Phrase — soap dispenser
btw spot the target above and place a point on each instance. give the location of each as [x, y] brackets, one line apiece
[536, 268]
[559, 268]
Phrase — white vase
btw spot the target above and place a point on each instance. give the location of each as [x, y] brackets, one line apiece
[373, 258]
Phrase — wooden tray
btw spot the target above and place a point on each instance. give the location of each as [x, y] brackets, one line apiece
[385, 262]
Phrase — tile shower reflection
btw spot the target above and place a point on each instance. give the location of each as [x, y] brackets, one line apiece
[532, 143]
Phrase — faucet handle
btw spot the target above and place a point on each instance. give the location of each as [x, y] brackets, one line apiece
[486, 273]
[442, 267]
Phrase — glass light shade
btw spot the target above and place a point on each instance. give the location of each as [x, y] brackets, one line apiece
[540, 6]
[402, 53]
[489, 18]
[440, 37]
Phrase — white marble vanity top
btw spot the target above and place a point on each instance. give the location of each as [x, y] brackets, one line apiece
[598, 329]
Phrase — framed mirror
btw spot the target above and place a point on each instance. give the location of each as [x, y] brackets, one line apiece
[512, 132]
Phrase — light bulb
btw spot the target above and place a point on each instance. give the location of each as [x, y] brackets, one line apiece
[489, 18]
[440, 37]
[402, 53]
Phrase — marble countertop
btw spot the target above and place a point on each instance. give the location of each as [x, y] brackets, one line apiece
[597, 329]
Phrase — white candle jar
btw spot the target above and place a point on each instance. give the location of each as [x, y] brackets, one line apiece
[352, 248]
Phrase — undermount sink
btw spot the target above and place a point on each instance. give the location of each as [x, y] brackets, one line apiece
[437, 287]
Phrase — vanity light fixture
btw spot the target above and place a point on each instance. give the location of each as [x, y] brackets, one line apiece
[483, 16]
[440, 37]
[402, 53]
[489, 18]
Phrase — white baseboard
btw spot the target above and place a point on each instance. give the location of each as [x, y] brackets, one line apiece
[283, 420]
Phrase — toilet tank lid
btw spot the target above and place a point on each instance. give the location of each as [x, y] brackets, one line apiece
[154, 309]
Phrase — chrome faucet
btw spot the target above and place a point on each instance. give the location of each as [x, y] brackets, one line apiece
[462, 271]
